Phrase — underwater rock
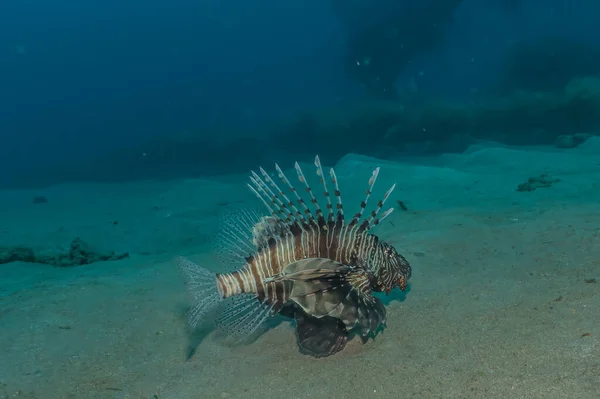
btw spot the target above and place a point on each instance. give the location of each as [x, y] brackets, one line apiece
[78, 254]
[548, 63]
[519, 118]
[533, 183]
[16, 254]
[383, 37]
[571, 140]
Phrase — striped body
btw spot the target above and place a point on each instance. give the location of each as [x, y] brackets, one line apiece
[335, 242]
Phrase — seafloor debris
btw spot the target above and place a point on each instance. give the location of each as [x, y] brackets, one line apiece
[402, 205]
[79, 253]
[533, 183]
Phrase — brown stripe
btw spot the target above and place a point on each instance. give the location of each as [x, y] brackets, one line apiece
[223, 283]
[269, 292]
[259, 286]
[274, 263]
[279, 293]
[239, 280]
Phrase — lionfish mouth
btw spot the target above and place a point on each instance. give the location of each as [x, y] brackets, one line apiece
[402, 283]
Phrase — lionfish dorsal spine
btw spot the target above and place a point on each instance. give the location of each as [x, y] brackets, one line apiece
[261, 196]
[284, 209]
[338, 196]
[325, 189]
[275, 196]
[318, 211]
[331, 233]
[299, 216]
[308, 217]
[373, 220]
[376, 221]
[364, 202]
[267, 195]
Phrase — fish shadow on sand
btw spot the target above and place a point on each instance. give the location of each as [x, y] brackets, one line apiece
[394, 296]
[195, 337]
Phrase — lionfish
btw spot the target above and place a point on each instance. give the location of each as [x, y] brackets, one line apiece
[319, 269]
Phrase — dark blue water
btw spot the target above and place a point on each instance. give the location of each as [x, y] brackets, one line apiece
[90, 89]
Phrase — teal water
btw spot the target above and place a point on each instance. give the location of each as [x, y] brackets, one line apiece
[501, 303]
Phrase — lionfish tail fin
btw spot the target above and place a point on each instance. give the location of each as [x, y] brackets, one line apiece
[201, 287]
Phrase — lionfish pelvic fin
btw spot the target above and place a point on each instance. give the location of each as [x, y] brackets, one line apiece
[240, 318]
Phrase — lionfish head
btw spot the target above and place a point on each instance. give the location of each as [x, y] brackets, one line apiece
[395, 271]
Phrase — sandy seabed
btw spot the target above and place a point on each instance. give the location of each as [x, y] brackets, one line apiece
[504, 301]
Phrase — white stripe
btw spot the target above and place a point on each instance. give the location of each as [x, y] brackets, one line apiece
[259, 270]
[248, 281]
[278, 254]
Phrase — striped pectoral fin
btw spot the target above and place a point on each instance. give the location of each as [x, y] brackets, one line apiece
[321, 298]
[314, 268]
[371, 315]
[324, 288]
[370, 312]
[240, 317]
[320, 337]
[348, 300]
